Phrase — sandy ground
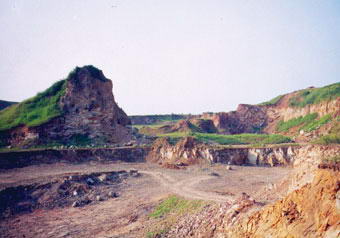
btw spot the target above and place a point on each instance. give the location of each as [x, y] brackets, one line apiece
[126, 216]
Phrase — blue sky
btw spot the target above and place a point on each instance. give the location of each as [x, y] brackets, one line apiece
[173, 56]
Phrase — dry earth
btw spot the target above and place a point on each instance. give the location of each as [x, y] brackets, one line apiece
[127, 215]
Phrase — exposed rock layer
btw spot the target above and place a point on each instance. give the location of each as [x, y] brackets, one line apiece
[190, 151]
[89, 111]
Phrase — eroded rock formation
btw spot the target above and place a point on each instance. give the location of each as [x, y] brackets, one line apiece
[88, 112]
[189, 151]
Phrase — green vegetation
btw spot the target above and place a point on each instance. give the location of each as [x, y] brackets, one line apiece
[96, 73]
[168, 212]
[34, 111]
[44, 106]
[333, 137]
[298, 121]
[315, 124]
[272, 101]
[157, 118]
[315, 95]
[239, 139]
[175, 204]
[152, 126]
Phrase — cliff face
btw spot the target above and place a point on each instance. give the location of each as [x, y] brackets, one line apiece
[311, 211]
[88, 112]
[189, 151]
[246, 119]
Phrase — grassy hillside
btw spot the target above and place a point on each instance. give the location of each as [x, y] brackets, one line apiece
[44, 106]
[34, 111]
[307, 123]
[315, 95]
[272, 101]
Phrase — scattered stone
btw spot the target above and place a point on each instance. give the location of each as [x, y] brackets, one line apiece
[99, 198]
[75, 193]
[214, 174]
[113, 194]
[90, 181]
[134, 173]
[103, 177]
[229, 167]
[75, 204]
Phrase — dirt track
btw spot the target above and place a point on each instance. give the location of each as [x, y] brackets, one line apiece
[185, 187]
[127, 215]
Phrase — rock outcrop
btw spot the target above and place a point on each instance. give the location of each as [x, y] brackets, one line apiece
[246, 119]
[88, 112]
[311, 211]
[190, 151]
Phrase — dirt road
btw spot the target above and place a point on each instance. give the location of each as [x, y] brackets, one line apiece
[186, 187]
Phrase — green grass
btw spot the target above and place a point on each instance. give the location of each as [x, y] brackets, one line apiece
[284, 126]
[333, 137]
[152, 126]
[34, 111]
[315, 124]
[160, 117]
[44, 106]
[167, 213]
[315, 95]
[239, 139]
[272, 101]
[175, 204]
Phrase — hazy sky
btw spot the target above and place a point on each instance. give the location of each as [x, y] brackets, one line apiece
[173, 56]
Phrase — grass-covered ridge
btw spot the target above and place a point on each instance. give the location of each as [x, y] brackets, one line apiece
[315, 95]
[239, 139]
[36, 110]
[272, 101]
[44, 106]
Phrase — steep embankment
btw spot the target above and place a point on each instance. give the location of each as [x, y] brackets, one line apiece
[79, 109]
[311, 211]
[305, 114]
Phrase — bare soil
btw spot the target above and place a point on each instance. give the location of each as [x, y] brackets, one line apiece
[127, 214]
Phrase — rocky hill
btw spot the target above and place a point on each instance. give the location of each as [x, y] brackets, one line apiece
[304, 115]
[80, 109]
